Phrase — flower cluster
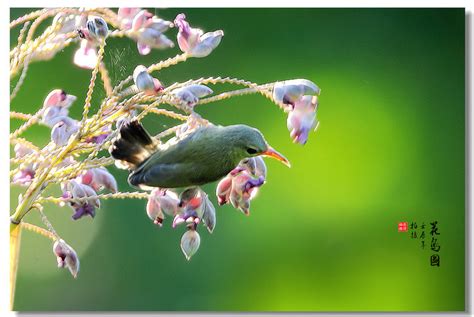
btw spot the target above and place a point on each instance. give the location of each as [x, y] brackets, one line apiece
[76, 157]
[242, 183]
[191, 207]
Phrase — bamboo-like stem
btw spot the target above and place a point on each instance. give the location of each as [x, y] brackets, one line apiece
[15, 240]
[36, 186]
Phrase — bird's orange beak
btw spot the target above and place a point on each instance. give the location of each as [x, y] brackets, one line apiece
[271, 152]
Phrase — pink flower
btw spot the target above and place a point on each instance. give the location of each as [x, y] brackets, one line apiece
[194, 41]
[126, 15]
[244, 188]
[66, 257]
[302, 119]
[74, 189]
[56, 107]
[145, 82]
[148, 31]
[289, 91]
[25, 175]
[98, 178]
[195, 207]
[162, 202]
[63, 130]
[59, 98]
[241, 184]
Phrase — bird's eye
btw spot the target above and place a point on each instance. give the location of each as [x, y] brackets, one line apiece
[251, 151]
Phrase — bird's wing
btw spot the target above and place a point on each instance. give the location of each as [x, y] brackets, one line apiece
[194, 147]
[165, 176]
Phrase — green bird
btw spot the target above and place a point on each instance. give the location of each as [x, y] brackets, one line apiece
[205, 155]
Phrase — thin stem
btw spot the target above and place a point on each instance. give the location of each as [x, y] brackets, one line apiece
[20, 81]
[20, 39]
[230, 94]
[87, 103]
[41, 231]
[104, 74]
[27, 17]
[25, 143]
[155, 67]
[32, 120]
[169, 113]
[20, 116]
[60, 200]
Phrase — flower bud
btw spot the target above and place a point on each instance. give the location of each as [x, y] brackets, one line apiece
[97, 28]
[154, 212]
[288, 92]
[145, 82]
[223, 190]
[190, 94]
[162, 202]
[66, 257]
[190, 243]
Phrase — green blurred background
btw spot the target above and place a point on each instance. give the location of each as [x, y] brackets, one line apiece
[322, 236]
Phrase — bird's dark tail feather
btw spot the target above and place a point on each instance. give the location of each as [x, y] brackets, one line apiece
[132, 146]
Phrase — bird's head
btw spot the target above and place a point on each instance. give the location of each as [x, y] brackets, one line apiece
[249, 142]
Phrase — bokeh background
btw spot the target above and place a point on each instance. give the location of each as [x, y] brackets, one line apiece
[322, 236]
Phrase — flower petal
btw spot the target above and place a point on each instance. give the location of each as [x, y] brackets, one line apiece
[208, 42]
